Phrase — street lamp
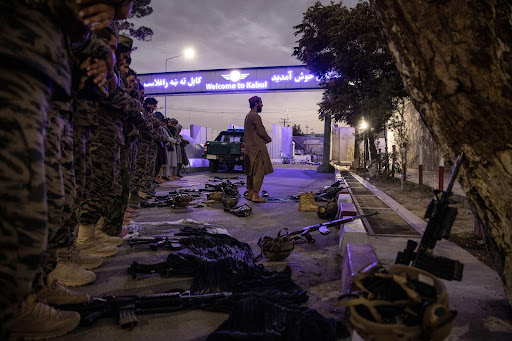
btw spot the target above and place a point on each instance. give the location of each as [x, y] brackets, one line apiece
[364, 127]
[188, 53]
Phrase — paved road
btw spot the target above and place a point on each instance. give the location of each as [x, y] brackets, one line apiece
[315, 267]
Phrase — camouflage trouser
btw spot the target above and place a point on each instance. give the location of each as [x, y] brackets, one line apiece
[141, 164]
[147, 180]
[60, 183]
[24, 101]
[82, 170]
[105, 184]
[82, 139]
[114, 221]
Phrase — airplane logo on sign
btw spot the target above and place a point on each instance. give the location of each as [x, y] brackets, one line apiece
[235, 76]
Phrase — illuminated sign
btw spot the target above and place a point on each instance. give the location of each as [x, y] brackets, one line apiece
[279, 78]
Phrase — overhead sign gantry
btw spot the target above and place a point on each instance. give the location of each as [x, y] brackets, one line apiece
[239, 80]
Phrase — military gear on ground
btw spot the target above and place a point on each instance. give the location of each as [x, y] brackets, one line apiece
[307, 202]
[404, 303]
[330, 210]
[240, 211]
[279, 248]
[68, 272]
[36, 320]
[58, 294]
[88, 244]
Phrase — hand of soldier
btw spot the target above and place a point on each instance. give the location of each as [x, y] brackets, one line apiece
[98, 70]
[99, 15]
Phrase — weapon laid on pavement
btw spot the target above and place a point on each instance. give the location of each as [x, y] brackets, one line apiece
[125, 308]
[240, 211]
[281, 247]
[441, 218]
[177, 200]
[156, 241]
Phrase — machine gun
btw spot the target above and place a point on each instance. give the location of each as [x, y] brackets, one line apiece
[281, 247]
[156, 241]
[124, 308]
[441, 218]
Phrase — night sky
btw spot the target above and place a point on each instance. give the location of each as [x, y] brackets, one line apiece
[228, 34]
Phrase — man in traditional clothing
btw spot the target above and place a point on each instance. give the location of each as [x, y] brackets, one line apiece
[257, 161]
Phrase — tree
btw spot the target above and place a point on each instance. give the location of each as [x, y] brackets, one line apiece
[345, 48]
[140, 9]
[296, 130]
[456, 63]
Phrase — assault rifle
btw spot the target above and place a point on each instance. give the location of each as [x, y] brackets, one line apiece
[281, 247]
[441, 218]
[156, 241]
[124, 308]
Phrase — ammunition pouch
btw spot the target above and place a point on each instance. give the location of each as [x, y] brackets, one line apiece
[404, 303]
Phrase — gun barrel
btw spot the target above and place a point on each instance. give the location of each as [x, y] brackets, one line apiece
[333, 222]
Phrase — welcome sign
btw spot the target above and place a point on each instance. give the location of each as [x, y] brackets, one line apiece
[260, 79]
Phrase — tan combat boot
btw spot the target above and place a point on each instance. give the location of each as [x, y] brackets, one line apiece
[89, 245]
[84, 261]
[103, 237]
[58, 294]
[307, 202]
[38, 321]
[68, 272]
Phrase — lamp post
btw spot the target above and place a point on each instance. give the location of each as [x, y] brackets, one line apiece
[364, 127]
[188, 53]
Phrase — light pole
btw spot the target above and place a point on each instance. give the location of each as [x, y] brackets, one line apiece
[364, 127]
[188, 53]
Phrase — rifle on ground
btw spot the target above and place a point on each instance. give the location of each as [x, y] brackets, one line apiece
[441, 218]
[156, 241]
[171, 200]
[125, 308]
[281, 247]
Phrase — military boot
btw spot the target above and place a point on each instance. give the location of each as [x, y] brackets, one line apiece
[84, 261]
[307, 202]
[88, 244]
[57, 293]
[36, 320]
[68, 272]
[135, 198]
[103, 237]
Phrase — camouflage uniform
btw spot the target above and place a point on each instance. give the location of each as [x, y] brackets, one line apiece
[26, 87]
[105, 185]
[122, 102]
[147, 181]
[142, 163]
[60, 182]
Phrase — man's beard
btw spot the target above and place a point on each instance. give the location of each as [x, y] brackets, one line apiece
[259, 109]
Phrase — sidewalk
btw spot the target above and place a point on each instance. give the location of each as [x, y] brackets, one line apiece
[483, 312]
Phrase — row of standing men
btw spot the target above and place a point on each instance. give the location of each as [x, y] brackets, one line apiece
[77, 140]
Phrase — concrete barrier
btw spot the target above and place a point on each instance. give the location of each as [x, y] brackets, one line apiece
[354, 231]
[355, 258]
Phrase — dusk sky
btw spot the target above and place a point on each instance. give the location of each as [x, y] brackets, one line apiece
[228, 34]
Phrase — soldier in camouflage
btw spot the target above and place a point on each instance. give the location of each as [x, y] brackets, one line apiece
[34, 29]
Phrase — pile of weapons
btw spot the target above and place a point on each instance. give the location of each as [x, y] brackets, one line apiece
[225, 279]
[227, 192]
[179, 198]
